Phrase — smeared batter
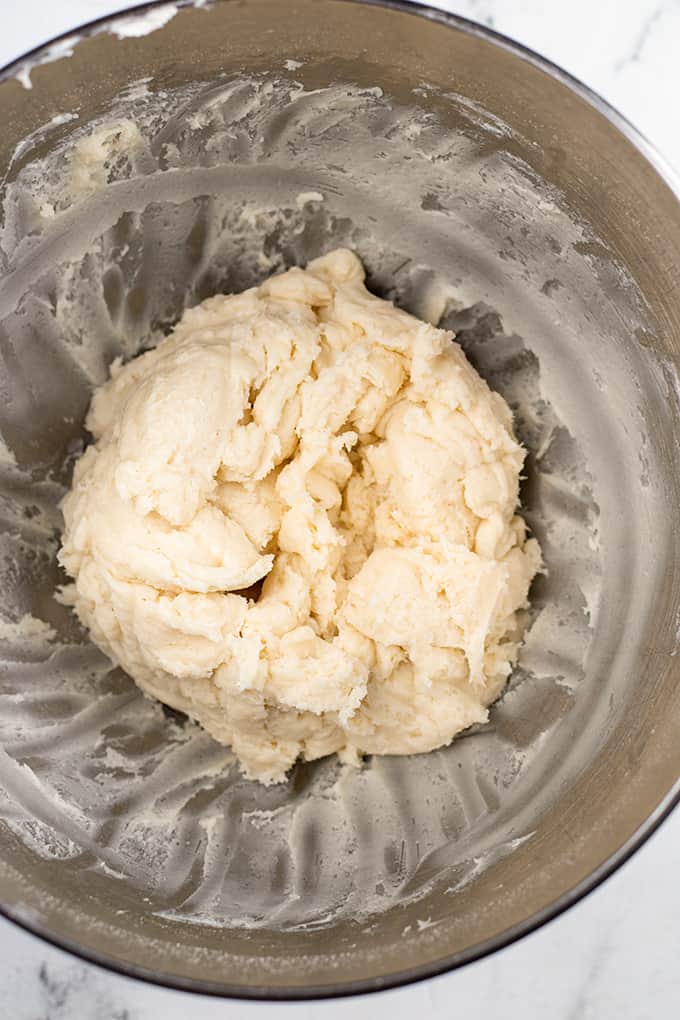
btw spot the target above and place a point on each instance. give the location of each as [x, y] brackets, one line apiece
[310, 436]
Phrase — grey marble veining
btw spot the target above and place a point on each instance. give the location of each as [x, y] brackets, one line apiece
[624, 49]
[614, 955]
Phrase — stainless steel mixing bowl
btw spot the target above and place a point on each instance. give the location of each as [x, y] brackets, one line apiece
[483, 188]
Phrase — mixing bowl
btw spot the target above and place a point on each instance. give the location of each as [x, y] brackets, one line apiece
[154, 159]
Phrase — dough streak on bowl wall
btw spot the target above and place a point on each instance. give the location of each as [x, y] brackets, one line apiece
[201, 191]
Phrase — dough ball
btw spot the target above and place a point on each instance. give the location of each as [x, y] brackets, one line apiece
[297, 524]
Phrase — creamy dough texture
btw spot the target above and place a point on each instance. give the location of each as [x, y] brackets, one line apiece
[310, 436]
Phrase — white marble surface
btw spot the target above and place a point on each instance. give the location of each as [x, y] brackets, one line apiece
[614, 955]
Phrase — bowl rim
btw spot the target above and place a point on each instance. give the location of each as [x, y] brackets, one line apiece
[671, 799]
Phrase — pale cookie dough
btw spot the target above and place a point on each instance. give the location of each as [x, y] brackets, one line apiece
[314, 436]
